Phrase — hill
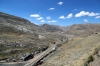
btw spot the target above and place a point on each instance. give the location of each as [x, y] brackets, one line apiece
[77, 52]
[82, 29]
[19, 36]
[18, 23]
[52, 28]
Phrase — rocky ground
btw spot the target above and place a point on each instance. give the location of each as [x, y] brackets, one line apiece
[12, 64]
[96, 59]
[77, 52]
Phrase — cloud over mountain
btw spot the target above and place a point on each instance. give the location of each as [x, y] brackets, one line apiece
[60, 3]
[62, 17]
[84, 13]
[97, 17]
[34, 15]
[48, 17]
[85, 20]
[70, 15]
[40, 18]
[51, 8]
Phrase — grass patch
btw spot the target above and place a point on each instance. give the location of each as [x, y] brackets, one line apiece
[90, 58]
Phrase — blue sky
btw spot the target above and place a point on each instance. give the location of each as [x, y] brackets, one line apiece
[57, 12]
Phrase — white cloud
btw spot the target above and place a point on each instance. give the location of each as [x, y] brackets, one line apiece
[97, 17]
[34, 15]
[49, 21]
[83, 13]
[60, 3]
[93, 14]
[40, 18]
[54, 21]
[70, 15]
[48, 17]
[85, 20]
[62, 17]
[75, 10]
[42, 21]
[51, 8]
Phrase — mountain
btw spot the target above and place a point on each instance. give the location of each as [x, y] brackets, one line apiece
[75, 30]
[82, 29]
[18, 23]
[19, 36]
[51, 28]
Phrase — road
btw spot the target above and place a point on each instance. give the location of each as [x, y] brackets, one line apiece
[37, 58]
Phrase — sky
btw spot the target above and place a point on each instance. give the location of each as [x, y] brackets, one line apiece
[56, 12]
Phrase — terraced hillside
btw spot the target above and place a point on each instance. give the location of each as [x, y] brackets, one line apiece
[77, 52]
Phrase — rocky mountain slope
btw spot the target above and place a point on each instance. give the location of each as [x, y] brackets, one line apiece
[82, 29]
[19, 36]
[77, 52]
[52, 28]
[18, 23]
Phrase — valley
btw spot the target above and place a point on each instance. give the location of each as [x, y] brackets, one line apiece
[21, 41]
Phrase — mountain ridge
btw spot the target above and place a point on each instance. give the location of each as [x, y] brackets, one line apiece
[19, 36]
